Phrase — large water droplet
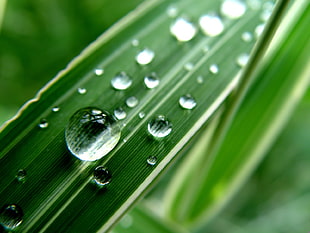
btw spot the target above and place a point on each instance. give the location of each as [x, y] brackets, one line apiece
[91, 134]
[145, 57]
[11, 216]
[21, 175]
[247, 36]
[151, 160]
[151, 81]
[120, 113]
[183, 30]
[187, 102]
[121, 81]
[102, 176]
[233, 9]
[159, 127]
[43, 123]
[99, 71]
[132, 102]
[211, 25]
[82, 91]
[214, 69]
[242, 59]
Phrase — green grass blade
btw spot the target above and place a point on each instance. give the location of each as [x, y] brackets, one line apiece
[2, 11]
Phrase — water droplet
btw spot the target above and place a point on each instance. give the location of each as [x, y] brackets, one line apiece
[102, 176]
[268, 5]
[43, 124]
[233, 9]
[145, 57]
[205, 49]
[132, 102]
[141, 115]
[242, 59]
[247, 36]
[183, 30]
[126, 221]
[151, 160]
[82, 91]
[135, 42]
[91, 134]
[121, 81]
[254, 4]
[214, 69]
[55, 109]
[159, 127]
[187, 102]
[120, 113]
[11, 216]
[211, 25]
[259, 30]
[189, 66]
[200, 79]
[151, 81]
[265, 15]
[99, 72]
[172, 11]
[21, 175]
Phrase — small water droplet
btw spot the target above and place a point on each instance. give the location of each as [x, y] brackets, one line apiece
[126, 221]
[121, 81]
[120, 113]
[265, 15]
[187, 102]
[99, 72]
[259, 30]
[199, 79]
[189, 66]
[242, 59]
[214, 69]
[145, 56]
[102, 176]
[233, 9]
[183, 30]
[132, 102]
[205, 49]
[269, 5]
[21, 175]
[159, 127]
[135, 42]
[91, 134]
[141, 115]
[43, 124]
[211, 25]
[254, 4]
[172, 11]
[55, 109]
[82, 91]
[151, 160]
[247, 36]
[11, 216]
[151, 81]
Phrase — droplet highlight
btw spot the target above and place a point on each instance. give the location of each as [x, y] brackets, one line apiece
[121, 81]
[151, 81]
[92, 133]
[159, 127]
[55, 109]
[183, 30]
[21, 175]
[187, 102]
[11, 216]
[120, 113]
[242, 59]
[151, 160]
[82, 91]
[102, 176]
[132, 102]
[211, 25]
[43, 124]
[233, 9]
[214, 69]
[99, 72]
[145, 57]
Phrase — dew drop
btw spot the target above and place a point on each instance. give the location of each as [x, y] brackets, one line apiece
[205, 49]
[233, 9]
[141, 115]
[126, 221]
[145, 57]
[214, 69]
[247, 36]
[82, 91]
[43, 124]
[151, 160]
[183, 30]
[211, 25]
[132, 102]
[11, 216]
[187, 102]
[242, 59]
[200, 79]
[189, 66]
[102, 176]
[55, 109]
[120, 113]
[159, 127]
[135, 42]
[99, 72]
[121, 81]
[91, 133]
[151, 81]
[21, 175]
[265, 15]
[259, 30]
[172, 11]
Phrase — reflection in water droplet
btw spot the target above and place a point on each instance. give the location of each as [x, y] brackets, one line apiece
[151, 160]
[132, 102]
[121, 81]
[43, 124]
[189, 66]
[151, 81]
[259, 30]
[187, 102]
[145, 57]
[172, 11]
[159, 127]
[247, 36]
[233, 9]
[211, 25]
[91, 134]
[183, 30]
[120, 113]
[55, 109]
[82, 91]
[242, 59]
[214, 69]
[102, 176]
[99, 72]
[135, 42]
[141, 115]
[11, 216]
[21, 175]
[199, 79]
